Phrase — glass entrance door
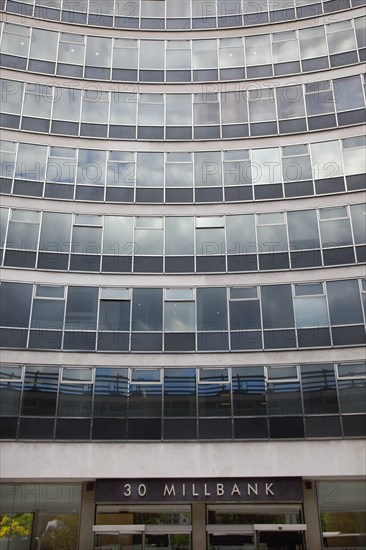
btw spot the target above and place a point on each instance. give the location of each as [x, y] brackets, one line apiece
[281, 537]
[120, 537]
[230, 541]
[114, 539]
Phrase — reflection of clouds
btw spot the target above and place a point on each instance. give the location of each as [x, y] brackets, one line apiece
[11, 96]
[354, 161]
[311, 311]
[66, 104]
[179, 316]
[326, 159]
[91, 167]
[179, 236]
[266, 165]
[31, 162]
[344, 302]
[303, 229]
[148, 241]
[178, 109]
[179, 175]
[150, 169]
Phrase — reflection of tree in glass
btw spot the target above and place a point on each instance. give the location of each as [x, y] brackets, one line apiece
[18, 525]
[61, 533]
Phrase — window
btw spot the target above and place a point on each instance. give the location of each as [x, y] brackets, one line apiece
[310, 305]
[71, 52]
[283, 391]
[75, 397]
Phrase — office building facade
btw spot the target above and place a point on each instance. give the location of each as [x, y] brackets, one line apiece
[183, 291]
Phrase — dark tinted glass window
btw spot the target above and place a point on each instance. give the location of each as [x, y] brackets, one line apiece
[249, 397]
[319, 388]
[147, 309]
[179, 392]
[81, 309]
[344, 302]
[110, 397]
[15, 302]
[277, 306]
[211, 309]
[40, 391]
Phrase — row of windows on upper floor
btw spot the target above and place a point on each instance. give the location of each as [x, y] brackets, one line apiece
[258, 111]
[202, 319]
[176, 244]
[175, 14]
[182, 177]
[252, 398]
[321, 47]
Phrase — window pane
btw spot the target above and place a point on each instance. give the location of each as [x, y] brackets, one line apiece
[81, 310]
[179, 392]
[277, 306]
[344, 302]
[211, 309]
[110, 397]
[319, 389]
[40, 391]
[147, 309]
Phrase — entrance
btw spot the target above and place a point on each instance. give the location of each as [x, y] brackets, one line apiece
[258, 537]
[119, 538]
[142, 528]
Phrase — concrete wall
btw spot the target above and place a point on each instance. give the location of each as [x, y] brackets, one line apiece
[82, 461]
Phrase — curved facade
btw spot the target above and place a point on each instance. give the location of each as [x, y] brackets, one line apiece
[183, 292]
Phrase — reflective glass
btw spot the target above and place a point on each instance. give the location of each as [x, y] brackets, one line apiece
[152, 54]
[207, 168]
[15, 304]
[258, 50]
[179, 316]
[31, 162]
[98, 52]
[179, 236]
[262, 105]
[150, 169]
[43, 45]
[326, 159]
[151, 110]
[311, 311]
[40, 391]
[12, 96]
[303, 229]
[81, 312]
[358, 215]
[211, 309]
[123, 108]
[15, 40]
[110, 399]
[71, 49]
[204, 54]
[178, 109]
[38, 101]
[114, 315]
[277, 306]
[55, 232]
[344, 302]
[312, 42]
[179, 392]
[125, 54]
[231, 52]
[67, 105]
[147, 309]
[117, 236]
[284, 398]
[47, 313]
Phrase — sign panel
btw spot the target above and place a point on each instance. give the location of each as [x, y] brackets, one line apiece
[199, 490]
